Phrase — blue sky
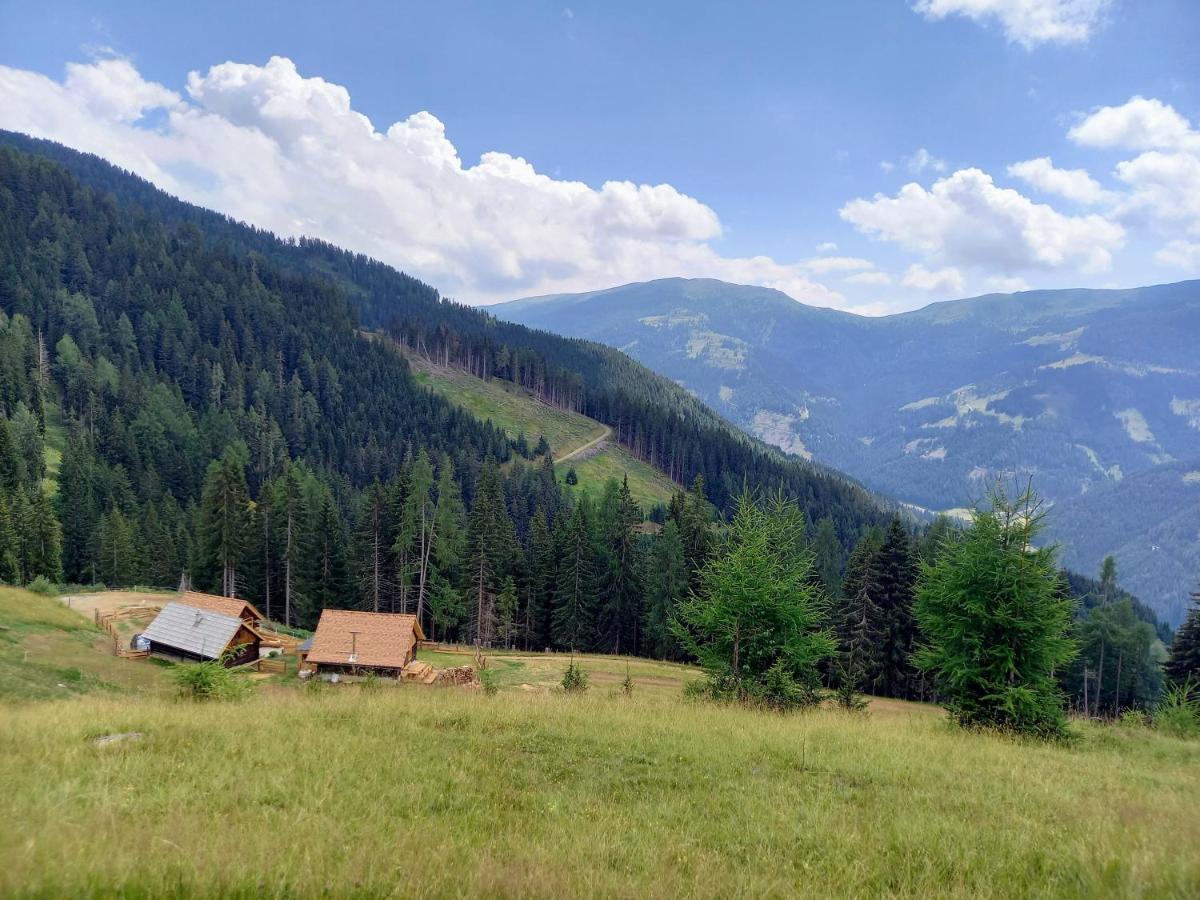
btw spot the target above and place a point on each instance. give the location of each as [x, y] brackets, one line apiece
[767, 121]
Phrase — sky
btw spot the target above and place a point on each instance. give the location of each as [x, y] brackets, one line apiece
[868, 155]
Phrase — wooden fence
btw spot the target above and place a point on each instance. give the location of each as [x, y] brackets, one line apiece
[107, 622]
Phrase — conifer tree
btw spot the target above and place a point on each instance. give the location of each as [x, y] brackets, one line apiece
[893, 577]
[327, 585]
[666, 587]
[224, 520]
[507, 625]
[756, 626]
[45, 540]
[1183, 666]
[491, 544]
[115, 549]
[995, 623]
[543, 569]
[10, 553]
[621, 586]
[828, 557]
[573, 617]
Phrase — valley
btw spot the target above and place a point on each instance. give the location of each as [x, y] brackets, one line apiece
[1086, 392]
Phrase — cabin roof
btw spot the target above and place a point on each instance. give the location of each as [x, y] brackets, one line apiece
[227, 606]
[380, 640]
[193, 630]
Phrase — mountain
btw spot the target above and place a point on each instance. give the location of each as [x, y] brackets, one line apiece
[181, 394]
[1082, 390]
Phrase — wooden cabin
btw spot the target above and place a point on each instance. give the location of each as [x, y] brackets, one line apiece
[183, 632]
[226, 606]
[348, 642]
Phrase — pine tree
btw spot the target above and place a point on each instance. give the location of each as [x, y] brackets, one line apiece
[10, 563]
[115, 549]
[543, 569]
[326, 580]
[506, 612]
[45, 539]
[1183, 666]
[224, 521]
[756, 625]
[995, 622]
[857, 619]
[893, 578]
[667, 585]
[621, 585]
[491, 544]
[828, 557]
[573, 619]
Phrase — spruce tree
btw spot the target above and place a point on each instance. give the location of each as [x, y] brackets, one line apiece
[621, 586]
[224, 521]
[1183, 666]
[995, 624]
[893, 577]
[572, 620]
[666, 587]
[326, 582]
[543, 570]
[756, 626]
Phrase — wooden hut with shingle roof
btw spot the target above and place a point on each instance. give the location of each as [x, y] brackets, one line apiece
[350, 642]
[225, 606]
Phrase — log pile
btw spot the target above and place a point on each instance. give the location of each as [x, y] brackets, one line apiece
[457, 675]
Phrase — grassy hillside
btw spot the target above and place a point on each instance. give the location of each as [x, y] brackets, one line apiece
[436, 792]
[49, 651]
[516, 411]
[322, 790]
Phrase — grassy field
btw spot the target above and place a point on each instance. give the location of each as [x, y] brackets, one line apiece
[510, 408]
[422, 791]
[49, 651]
[516, 411]
[648, 485]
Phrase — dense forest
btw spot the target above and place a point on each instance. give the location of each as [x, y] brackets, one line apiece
[185, 399]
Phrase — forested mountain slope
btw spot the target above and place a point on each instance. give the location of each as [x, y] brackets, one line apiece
[1080, 389]
[652, 417]
[222, 418]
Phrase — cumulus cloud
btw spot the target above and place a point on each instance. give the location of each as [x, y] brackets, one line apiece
[290, 153]
[1163, 181]
[1138, 124]
[1073, 184]
[827, 247]
[922, 160]
[941, 281]
[966, 220]
[824, 264]
[1026, 22]
[1008, 285]
[875, 278]
[1184, 254]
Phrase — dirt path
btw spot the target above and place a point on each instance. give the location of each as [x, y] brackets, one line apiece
[110, 601]
[592, 443]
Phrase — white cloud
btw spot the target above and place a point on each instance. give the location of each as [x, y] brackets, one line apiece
[827, 247]
[877, 278]
[1074, 184]
[290, 153]
[966, 220]
[1137, 124]
[1183, 254]
[1008, 285]
[922, 160]
[887, 165]
[824, 264]
[1164, 180]
[1026, 22]
[942, 281]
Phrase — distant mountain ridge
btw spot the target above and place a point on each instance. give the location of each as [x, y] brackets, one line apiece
[1084, 390]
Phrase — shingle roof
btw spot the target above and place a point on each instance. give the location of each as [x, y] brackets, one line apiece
[376, 639]
[193, 630]
[226, 606]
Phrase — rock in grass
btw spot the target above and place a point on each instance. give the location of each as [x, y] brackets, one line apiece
[105, 740]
